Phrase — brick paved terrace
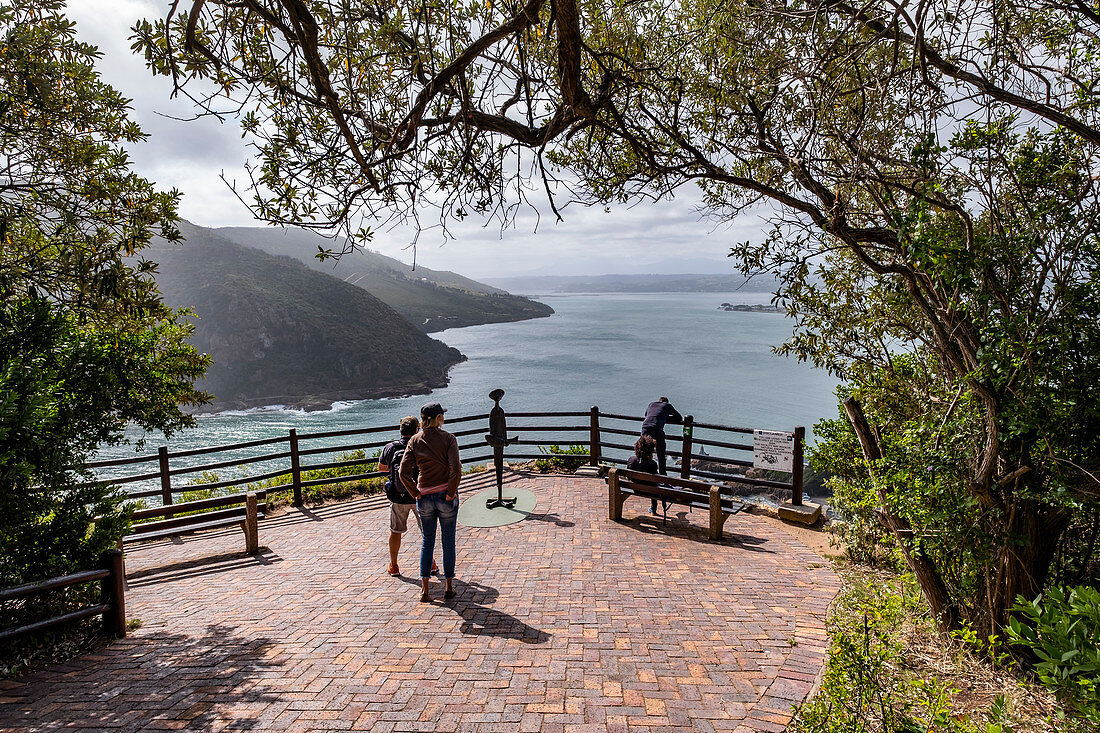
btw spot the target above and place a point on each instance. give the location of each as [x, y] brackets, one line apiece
[563, 622]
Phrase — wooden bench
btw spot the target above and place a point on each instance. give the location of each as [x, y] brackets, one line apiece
[247, 516]
[623, 483]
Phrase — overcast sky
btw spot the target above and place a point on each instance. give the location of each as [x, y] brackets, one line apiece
[191, 156]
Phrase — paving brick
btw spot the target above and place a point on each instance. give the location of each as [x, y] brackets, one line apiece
[563, 622]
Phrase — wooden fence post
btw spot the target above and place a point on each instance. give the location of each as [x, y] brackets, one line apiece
[614, 499]
[685, 452]
[594, 437]
[716, 518]
[165, 477]
[113, 593]
[251, 530]
[295, 468]
[796, 467]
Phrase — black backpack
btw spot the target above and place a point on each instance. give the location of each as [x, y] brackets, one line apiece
[395, 489]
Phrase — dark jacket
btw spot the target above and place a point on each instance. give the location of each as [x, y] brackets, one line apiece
[657, 414]
[634, 463]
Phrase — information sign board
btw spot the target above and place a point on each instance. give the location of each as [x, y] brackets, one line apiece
[773, 450]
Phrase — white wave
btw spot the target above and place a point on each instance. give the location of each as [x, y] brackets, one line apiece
[249, 411]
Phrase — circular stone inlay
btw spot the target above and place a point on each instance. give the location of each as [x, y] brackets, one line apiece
[472, 512]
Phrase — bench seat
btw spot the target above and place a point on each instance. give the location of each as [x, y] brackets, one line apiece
[624, 483]
[157, 534]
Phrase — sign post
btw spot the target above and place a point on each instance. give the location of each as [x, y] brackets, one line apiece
[773, 450]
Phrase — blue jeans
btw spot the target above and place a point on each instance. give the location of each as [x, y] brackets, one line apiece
[433, 508]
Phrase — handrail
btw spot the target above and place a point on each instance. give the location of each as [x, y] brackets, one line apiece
[720, 444]
[64, 581]
[728, 428]
[230, 463]
[621, 417]
[339, 464]
[336, 448]
[197, 505]
[121, 461]
[467, 418]
[532, 430]
[344, 433]
[233, 446]
[227, 482]
[112, 603]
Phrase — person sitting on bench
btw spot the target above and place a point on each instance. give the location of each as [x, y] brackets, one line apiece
[642, 460]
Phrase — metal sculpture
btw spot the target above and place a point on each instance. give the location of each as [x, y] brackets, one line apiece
[498, 439]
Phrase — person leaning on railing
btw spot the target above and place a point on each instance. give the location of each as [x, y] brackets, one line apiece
[434, 453]
[653, 424]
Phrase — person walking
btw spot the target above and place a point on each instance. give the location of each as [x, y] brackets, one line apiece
[402, 504]
[653, 424]
[432, 467]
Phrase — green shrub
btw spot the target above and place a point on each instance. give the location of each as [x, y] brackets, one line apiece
[868, 685]
[1062, 632]
[569, 458]
[854, 500]
[277, 495]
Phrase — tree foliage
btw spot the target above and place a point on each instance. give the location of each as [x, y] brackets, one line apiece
[86, 345]
[932, 168]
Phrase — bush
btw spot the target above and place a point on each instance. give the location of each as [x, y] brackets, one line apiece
[1062, 632]
[869, 685]
[335, 491]
[569, 458]
[854, 500]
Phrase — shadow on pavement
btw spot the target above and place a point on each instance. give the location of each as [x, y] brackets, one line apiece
[210, 565]
[483, 620]
[553, 518]
[680, 526]
[478, 618]
[154, 681]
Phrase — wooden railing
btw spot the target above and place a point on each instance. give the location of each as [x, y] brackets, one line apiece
[690, 443]
[112, 604]
[296, 454]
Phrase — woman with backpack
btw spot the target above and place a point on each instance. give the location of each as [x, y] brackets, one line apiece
[431, 465]
[401, 502]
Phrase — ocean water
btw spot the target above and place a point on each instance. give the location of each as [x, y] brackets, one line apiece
[615, 351]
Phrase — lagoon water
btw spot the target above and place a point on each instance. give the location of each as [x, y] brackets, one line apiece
[617, 351]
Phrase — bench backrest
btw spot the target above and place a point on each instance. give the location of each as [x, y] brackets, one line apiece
[672, 488]
[198, 505]
[693, 486]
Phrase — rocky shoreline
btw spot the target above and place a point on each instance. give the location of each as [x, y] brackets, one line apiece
[324, 400]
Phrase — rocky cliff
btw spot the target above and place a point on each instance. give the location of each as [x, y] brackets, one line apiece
[430, 299]
[281, 333]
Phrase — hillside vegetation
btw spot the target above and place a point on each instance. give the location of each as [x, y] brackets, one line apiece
[280, 332]
[433, 300]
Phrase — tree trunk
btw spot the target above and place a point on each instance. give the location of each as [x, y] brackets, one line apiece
[1028, 542]
[944, 610]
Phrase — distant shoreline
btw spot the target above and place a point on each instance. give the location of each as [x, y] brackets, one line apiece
[731, 308]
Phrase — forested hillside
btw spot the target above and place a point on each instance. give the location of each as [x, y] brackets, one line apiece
[280, 332]
[431, 299]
